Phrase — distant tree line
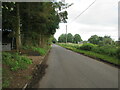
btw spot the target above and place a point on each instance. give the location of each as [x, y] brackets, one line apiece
[70, 38]
[94, 39]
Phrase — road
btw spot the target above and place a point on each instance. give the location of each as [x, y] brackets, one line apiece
[67, 69]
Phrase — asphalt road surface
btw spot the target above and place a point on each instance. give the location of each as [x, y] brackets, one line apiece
[67, 69]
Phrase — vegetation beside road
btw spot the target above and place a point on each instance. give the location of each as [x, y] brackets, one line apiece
[98, 47]
[29, 29]
[14, 62]
[41, 51]
[107, 53]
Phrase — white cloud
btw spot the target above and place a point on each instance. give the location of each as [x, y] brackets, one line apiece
[100, 19]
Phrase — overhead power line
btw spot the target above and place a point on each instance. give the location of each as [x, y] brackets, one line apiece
[84, 10]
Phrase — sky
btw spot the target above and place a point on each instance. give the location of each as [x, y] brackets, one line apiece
[100, 19]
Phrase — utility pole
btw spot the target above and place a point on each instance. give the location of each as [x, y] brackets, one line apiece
[66, 33]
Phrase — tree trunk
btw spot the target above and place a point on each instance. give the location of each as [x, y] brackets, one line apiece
[42, 41]
[18, 37]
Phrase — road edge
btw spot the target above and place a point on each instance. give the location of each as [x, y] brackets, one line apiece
[42, 62]
[96, 58]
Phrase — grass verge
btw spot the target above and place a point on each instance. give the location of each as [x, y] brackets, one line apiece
[112, 60]
[41, 51]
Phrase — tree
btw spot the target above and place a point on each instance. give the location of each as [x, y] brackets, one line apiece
[13, 21]
[100, 40]
[94, 39]
[69, 37]
[18, 35]
[76, 38]
[34, 22]
[107, 40]
[62, 38]
[54, 40]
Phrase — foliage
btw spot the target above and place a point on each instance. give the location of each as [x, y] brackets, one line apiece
[5, 78]
[76, 38]
[6, 83]
[118, 53]
[106, 40]
[69, 38]
[26, 47]
[102, 56]
[108, 50]
[54, 40]
[94, 39]
[33, 23]
[15, 61]
[62, 38]
[87, 46]
[41, 51]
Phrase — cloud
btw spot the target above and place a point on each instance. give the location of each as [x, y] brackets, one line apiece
[100, 19]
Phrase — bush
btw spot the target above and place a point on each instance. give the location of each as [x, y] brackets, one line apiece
[118, 53]
[109, 50]
[87, 46]
[26, 47]
[15, 61]
[41, 51]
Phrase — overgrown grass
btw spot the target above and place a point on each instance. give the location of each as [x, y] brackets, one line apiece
[41, 51]
[5, 78]
[26, 47]
[5, 83]
[15, 61]
[103, 56]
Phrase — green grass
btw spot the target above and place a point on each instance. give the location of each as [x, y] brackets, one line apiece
[5, 83]
[5, 78]
[107, 58]
[15, 61]
[41, 51]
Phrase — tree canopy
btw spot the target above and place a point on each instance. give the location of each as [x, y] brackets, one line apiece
[100, 40]
[32, 23]
[77, 38]
[70, 38]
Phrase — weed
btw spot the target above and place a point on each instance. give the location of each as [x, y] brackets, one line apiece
[41, 51]
[15, 61]
[107, 53]
[5, 83]
[87, 46]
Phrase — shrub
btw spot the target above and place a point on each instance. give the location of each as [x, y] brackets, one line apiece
[87, 46]
[109, 50]
[5, 83]
[15, 61]
[118, 53]
[26, 47]
[41, 51]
